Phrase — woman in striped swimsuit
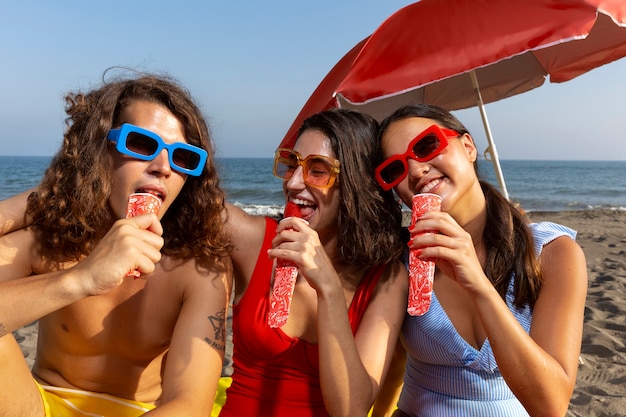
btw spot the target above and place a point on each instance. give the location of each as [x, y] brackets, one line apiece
[503, 332]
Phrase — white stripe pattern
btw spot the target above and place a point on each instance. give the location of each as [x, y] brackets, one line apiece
[447, 377]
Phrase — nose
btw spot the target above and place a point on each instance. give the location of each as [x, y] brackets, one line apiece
[296, 182]
[160, 165]
[417, 169]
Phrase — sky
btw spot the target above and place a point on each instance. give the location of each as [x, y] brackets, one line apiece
[252, 65]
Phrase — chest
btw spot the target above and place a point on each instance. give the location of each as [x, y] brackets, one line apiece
[136, 319]
[460, 310]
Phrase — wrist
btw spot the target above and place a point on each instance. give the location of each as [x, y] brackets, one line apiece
[483, 290]
[73, 284]
[330, 290]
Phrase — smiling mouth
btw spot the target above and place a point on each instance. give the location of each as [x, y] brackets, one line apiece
[431, 185]
[306, 207]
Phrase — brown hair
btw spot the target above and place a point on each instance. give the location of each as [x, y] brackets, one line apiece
[369, 218]
[507, 238]
[70, 209]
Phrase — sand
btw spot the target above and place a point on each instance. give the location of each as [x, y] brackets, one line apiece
[601, 383]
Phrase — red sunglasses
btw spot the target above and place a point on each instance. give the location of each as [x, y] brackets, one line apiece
[424, 147]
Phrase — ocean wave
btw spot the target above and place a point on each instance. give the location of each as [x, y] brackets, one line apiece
[271, 210]
[274, 210]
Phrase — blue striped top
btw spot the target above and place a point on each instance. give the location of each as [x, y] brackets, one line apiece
[445, 376]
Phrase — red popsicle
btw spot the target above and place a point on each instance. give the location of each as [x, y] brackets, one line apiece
[421, 272]
[292, 210]
[141, 203]
[285, 276]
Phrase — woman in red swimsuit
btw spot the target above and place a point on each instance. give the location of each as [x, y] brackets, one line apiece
[350, 296]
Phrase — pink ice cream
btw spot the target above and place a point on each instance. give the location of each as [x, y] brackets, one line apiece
[141, 203]
[421, 272]
[285, 276]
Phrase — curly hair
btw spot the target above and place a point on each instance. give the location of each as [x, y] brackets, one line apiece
[70, 209]
[507, 237]
[369, 220]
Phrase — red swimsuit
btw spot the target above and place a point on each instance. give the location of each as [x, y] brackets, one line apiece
[274, 374]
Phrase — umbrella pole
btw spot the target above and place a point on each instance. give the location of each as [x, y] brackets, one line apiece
[491, 149]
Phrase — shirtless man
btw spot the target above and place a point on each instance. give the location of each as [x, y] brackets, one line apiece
[111, 344]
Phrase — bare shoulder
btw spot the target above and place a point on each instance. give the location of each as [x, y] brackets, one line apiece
[239, 222]
[392, 290]
[563, 258]
[18, 254]
[196, 273]
[246, 233]
[563, 288]
[395, 277]
[12, 211]
[204, 291]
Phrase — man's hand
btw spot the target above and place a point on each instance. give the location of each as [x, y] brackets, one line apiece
[132, 243]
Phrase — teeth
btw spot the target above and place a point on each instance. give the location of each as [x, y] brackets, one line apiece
[430, 186]
[301, 202]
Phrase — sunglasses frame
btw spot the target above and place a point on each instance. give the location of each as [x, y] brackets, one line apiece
[439, 132]
[120, 136]
[334, 166]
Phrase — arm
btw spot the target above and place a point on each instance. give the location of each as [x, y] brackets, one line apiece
[351, 367]
[387, 400]
[540, 367]
[194, 360]
[246, 233]
[25, 298]
[13, 213]
[549, 356]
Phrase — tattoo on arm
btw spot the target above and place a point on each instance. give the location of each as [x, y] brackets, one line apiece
[218, 321]
[3, 330]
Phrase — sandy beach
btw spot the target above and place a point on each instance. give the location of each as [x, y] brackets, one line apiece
[600, 386]
[600, 389]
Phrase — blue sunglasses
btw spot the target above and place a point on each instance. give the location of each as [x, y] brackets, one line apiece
[143, 144]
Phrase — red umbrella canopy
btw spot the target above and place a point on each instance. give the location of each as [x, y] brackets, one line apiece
[427, 51]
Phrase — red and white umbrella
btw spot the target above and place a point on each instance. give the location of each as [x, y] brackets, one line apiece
[463, 53]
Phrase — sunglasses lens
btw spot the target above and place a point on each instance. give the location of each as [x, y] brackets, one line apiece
[427, 147]
[285, 164]
[186, 158]
[141, 144]
[318, 171]
[393, 171]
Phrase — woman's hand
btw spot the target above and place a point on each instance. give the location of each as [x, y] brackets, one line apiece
[440, 238]
[297, 242]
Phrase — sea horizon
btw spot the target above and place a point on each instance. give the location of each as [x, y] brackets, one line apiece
[536, 185]
[481, 158]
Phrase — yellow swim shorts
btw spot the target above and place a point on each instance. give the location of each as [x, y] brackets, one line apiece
[65, 402]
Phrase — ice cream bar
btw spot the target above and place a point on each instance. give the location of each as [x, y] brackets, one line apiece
[292, 210]
[141, 203]
[421, 272]
[285, 276]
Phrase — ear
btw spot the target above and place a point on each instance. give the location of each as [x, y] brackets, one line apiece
[470, 147]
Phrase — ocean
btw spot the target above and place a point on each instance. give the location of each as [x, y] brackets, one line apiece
[535, 185]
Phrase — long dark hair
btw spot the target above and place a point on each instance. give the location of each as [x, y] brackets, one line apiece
[369, 218]
[70, 209]
[507, 238]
